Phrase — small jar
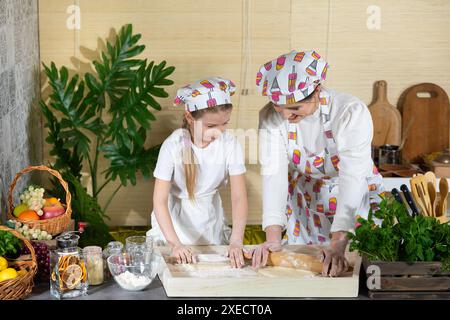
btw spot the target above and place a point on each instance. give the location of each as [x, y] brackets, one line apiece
[113, 247]
[94, 261]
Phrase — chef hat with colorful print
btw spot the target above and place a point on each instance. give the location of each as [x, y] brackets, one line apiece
[205, 93]
[291, 77]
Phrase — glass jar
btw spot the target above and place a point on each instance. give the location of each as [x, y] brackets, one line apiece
[94, 262]
[68, 277]
[113, 247]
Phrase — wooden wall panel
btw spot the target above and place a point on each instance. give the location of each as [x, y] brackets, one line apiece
[206, 37]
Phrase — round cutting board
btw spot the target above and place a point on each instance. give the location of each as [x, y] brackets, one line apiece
[387, 121]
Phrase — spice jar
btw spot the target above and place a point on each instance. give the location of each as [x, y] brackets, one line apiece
[68, 277]
[113, 247]
[94, 261]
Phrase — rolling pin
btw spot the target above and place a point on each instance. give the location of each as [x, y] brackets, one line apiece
[293, 260]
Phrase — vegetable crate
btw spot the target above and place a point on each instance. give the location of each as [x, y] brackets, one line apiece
[402, 280]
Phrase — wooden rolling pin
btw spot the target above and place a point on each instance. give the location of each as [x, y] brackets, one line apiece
[293, 260]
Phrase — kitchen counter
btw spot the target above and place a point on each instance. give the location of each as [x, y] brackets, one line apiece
[111, 291]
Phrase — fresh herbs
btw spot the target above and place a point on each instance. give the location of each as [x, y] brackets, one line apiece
[10, 245]
[401, 237]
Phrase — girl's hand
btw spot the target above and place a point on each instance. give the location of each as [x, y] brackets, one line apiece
[183, 254]
[235, 252]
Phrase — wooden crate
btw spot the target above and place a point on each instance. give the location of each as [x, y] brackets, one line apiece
[402, 280]
[290, 284]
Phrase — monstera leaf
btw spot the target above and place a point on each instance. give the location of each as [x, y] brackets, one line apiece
[125, 88]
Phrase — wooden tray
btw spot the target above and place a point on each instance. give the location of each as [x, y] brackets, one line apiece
[401, 280]
[201, 280]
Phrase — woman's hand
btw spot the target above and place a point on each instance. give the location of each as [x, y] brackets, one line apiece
[261, 254]
[333, 257]
[183, 254]
[236, 255]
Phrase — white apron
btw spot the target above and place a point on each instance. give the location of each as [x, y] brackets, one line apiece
[314, 185]
[198, 222]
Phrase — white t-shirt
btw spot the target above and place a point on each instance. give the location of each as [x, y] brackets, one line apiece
[352, 129]
[219, 159]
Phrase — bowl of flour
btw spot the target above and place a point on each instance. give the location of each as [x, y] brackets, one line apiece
[129, 274]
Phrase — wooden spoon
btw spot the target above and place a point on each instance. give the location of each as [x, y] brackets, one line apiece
[443, 191]
[431, 186]
[420, 193]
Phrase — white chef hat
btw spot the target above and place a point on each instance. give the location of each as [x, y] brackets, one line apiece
[205, 93]
[291, 77]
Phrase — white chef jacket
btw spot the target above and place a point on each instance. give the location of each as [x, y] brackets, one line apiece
[353, 131]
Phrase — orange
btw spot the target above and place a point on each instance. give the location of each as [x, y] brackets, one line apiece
[51, 202]
[28, 215]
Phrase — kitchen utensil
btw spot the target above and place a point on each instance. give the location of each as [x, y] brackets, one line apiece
[420, 193]
[292, 260]
[401, 200]
[396, 195]
[295, 260]
[386, 118]
[443, 192]
[431, 183]
[388, 154]
[409, 199]
[431, 119]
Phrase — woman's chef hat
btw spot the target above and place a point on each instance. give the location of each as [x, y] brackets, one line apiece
[291, 77]
[205, 93]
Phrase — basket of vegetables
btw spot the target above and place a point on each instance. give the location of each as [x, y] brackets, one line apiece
[405, 256]
[16, 275]
[38, 210]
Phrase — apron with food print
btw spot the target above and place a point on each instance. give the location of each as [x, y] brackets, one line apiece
[314, 184]
[196, 222]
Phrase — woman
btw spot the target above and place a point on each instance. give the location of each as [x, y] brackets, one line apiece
[315, 153]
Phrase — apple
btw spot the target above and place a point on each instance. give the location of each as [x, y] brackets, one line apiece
[52, 211]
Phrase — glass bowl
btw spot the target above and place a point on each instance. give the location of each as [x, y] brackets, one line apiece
[131, 274]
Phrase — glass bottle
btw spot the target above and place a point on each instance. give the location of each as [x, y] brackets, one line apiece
[94, 262]
[68, 277]
[113, 247]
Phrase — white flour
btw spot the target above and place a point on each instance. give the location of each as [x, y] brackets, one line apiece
[132, 282]
[205, 270]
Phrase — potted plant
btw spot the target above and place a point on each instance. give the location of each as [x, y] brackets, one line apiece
[124, 87]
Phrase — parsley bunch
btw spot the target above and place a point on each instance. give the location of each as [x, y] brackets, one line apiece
[401, 237]
[10, 246]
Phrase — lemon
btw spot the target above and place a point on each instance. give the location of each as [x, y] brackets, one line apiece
[3, 264]
[8, 274]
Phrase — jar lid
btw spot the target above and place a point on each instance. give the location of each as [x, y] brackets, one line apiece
[67, 240]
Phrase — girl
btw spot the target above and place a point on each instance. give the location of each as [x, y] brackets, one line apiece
[193, 163]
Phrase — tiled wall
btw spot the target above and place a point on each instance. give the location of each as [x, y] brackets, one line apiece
[20, 122]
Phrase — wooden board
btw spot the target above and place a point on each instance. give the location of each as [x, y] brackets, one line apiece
[387, 121]
[427, 106]
[218, 279]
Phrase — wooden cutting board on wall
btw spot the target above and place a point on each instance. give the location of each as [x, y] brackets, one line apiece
[387, 121]
[426, 105]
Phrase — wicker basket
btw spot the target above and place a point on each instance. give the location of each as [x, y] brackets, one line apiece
[54, 225]
[21, 286]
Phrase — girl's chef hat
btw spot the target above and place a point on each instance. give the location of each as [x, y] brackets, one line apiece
[291, 77]
[205, 93]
